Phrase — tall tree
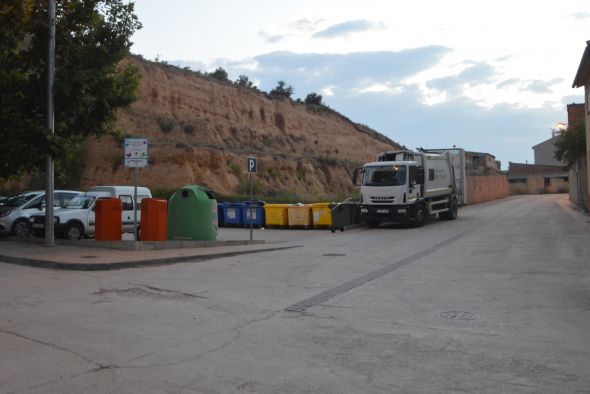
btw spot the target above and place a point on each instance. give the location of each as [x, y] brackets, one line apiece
[571, 144]
[91, 81]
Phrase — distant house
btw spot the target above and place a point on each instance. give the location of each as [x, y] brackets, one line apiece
[545, 152]
[537, 179]
[480, 163]
[583, 79]
[547, 175]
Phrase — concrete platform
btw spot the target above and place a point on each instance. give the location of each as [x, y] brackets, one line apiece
[97, 256]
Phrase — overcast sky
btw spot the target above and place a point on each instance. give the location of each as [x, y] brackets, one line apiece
[486, 76]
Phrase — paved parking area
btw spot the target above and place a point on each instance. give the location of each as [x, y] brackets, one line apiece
[497, 301]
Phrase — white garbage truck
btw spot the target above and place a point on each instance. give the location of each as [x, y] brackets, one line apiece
[412, 186]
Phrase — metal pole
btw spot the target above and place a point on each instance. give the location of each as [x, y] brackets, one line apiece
[49, 167]
[135, 182]
[250, 207]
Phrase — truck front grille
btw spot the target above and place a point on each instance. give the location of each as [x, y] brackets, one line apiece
[382, 200]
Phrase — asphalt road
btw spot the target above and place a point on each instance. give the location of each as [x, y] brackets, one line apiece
[497, 301]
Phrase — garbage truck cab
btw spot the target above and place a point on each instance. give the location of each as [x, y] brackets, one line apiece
[408, 186]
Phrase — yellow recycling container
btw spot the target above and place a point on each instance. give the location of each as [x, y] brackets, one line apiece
[276, 215]
[299, 215]
[321, 215]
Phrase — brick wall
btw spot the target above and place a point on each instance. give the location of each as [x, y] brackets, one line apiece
[486, 188]
[575, 113]
[519, 168]
[536, 184]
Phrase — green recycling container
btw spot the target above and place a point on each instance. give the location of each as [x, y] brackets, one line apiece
[343, 214]
[192, 214]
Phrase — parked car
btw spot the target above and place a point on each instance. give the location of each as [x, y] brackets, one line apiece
[16, 211]
[76, 219]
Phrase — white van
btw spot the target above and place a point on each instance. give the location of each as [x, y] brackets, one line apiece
[77, 219]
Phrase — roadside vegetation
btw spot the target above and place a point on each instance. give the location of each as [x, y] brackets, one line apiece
[93, 37]
[571, 144]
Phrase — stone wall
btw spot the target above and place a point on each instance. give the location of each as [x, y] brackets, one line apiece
[578, 179]
[486, 188]
[538, 184]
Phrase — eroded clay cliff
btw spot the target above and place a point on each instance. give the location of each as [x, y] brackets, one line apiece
[201, 130]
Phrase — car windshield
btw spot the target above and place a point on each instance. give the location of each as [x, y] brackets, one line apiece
[80, 202]
[19, 200]
[390, 175]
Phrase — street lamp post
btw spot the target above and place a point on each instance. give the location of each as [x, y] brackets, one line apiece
[49, 167]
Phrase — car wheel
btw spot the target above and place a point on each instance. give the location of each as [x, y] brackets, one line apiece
[74, 232]
[419, 215]
[21, 228]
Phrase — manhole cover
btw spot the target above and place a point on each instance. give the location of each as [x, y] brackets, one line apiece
[457, 315]
[334, 254]
[89, 257]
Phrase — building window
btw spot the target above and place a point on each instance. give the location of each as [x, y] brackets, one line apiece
[517, 180]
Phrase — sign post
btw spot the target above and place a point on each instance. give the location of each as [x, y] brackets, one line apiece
[251, 164]
[136, 157]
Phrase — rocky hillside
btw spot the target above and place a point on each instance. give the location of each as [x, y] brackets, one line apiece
[201, 130]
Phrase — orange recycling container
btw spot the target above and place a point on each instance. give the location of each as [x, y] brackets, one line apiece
[154, 219]
[108, 219]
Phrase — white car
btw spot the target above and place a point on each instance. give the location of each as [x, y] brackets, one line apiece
[76, 219]
[16, 211]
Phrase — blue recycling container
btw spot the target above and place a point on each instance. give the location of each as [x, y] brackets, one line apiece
[257, 214]
[232, 214]
[221, 206]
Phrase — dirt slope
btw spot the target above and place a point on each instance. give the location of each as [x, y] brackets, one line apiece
[201, 130]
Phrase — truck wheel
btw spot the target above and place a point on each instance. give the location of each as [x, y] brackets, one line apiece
[451, 214]
[21, 228]
[454, 210]
[419, 215]
[74, 232]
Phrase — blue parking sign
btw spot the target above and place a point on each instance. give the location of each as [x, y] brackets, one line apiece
[251, 164]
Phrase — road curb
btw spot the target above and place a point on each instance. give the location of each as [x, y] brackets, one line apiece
[56, 265]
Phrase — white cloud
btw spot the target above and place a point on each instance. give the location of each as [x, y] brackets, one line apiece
[328, 91]
[384, 88]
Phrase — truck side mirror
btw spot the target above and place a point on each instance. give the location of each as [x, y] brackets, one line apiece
[355, 174]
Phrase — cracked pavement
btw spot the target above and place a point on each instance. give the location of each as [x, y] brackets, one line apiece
[497, 301]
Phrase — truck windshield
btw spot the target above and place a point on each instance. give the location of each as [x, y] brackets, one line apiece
[384, 176]
[80, 202]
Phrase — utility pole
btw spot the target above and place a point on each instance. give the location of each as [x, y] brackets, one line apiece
[49, 168]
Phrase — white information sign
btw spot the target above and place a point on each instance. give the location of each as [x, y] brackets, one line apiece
[136, 152]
